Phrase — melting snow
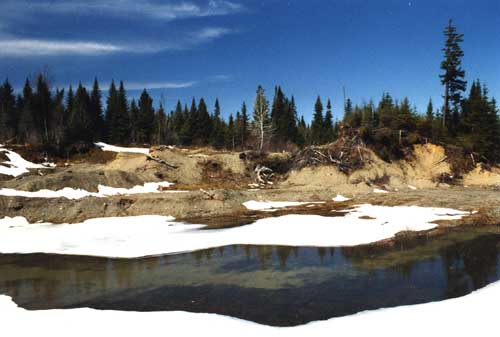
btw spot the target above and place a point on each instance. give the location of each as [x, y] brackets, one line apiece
[17, 165]
[274, 205]
[412, 187]
[103, 191]
[475, 314]
[340, 198]
[377, 190]
[131, 237]
[112, 148]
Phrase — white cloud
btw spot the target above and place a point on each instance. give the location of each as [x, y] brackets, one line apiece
[166, 10]
[11, 46]
[35, 47]
[159, 85]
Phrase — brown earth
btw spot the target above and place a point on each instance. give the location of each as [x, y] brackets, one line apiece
[217, 183]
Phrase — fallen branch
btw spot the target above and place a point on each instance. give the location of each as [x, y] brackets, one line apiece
[161, 161]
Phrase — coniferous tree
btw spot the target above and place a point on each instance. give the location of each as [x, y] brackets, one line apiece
[328, 124]
[96, 113]
[57, 123]
[317, 124]
[145, 118]
[134, 121]
[159, 134]
[111, 111]
[453, 77]
[386, 111]
[230, 134]
[429, 114]
[7, 112]
[79, 120]
[217, 135]
[120, 128]
[42, 101]
[245, 126]
[26, 127]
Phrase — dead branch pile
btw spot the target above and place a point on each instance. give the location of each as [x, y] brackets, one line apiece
[263, 174]
[348, 153]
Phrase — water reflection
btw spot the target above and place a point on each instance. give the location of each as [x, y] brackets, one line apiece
[276, 285]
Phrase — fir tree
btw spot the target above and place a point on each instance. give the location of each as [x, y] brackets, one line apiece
[453, 77]
[245, 129]
[42, 105]
[7, 111]
[328, 124]
[134, 121]
[317, 124]
[217, 135]
[96, 113]
[111, 111]
[26, 129]
[145, 118]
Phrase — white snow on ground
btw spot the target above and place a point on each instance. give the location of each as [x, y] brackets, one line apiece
[411, 187]
[131, 237]
[17, 165]
[377, 190]
[112, 148]
[340, 198]
[475, 314]
[103, 191]
[274, 205]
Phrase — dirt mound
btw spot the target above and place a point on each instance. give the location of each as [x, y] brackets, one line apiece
[480, 176]
[202, 166]
[423, 169]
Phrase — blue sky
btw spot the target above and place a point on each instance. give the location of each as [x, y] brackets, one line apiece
[217, 48]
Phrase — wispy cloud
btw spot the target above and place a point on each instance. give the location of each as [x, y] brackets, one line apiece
[159, 85]
[34, 47]
[25, 47]
[164, 10]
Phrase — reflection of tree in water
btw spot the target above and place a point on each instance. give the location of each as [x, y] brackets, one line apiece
[283, 253]
[321, 254]
[265, 254]
[470, 265]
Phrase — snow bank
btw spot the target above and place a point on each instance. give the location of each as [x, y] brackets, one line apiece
[473, 315]
[377, 190]
[112, 148]
[131, 237]
[17, 165]
[340, 198]
[274, 205]
[103, 191]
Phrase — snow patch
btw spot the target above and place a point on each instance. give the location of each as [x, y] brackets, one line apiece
[103, 191]
[340, 198]
[132, 237]
[17, 165]
[377, 190]
[411, 187]
[113, 148]
[274, 205]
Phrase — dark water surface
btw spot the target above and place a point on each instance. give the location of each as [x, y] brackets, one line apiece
[273, 285]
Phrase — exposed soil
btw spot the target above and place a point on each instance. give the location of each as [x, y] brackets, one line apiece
[216, 184]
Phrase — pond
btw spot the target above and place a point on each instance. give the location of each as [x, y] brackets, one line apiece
[275, 285]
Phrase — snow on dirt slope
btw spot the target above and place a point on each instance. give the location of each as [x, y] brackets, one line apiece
[132, 237]
[475, 314]
[103, 191]
[17, 165]
[113, 148]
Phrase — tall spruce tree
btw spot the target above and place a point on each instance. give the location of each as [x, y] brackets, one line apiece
[328, 124]
[217, 135]
[42, 105]
[452, 77]
[134, 121]
[111, 111]
[26, 127]
[96, 113]
[317, 124]
[7, 112]
[245, 126]
[145, 118]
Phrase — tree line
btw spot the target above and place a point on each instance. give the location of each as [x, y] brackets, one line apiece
[39, 116]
